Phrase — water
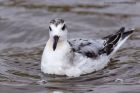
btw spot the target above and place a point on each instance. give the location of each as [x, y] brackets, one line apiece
[24, 32]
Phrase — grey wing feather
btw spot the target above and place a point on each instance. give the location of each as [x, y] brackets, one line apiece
[112, 41]
[89, 48]
[93, 48]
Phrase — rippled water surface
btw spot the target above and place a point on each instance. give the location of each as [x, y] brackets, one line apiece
[24, 32]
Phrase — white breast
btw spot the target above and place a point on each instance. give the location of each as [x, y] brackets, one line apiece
[55, 62]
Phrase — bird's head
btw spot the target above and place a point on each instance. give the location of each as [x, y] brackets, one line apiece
[57, 31]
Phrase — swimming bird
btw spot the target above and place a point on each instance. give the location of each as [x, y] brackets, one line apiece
[76, 57]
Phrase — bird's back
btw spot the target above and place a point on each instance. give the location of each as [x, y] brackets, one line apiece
[85, 47]
[107, 45]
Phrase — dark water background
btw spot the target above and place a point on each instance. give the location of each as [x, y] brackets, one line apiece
[24, 32]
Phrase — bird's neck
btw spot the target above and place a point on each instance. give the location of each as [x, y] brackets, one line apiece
[61, 45]
[62, 53]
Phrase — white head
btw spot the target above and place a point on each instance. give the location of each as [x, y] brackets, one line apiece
[57, 31]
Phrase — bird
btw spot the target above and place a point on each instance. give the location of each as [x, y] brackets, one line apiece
[78, 56]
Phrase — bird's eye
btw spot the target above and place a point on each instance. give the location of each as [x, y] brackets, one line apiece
[64, 27]
[50, 29]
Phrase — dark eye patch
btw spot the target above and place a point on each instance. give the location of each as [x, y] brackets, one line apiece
[64, 27]
[50, 28]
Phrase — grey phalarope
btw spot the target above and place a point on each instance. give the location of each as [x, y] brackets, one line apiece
[78, 56]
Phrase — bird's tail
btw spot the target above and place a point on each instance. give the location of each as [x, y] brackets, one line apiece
[114, 41]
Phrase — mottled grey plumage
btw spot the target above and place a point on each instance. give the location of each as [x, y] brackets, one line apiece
[94, 48]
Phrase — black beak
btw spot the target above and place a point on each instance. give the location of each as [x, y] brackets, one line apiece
[55, 40]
